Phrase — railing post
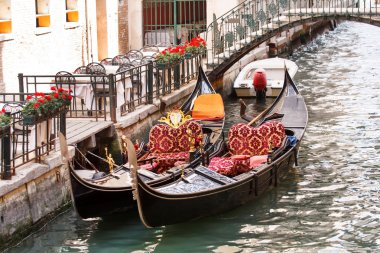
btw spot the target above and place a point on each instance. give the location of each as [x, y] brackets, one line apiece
[62, 122]
[21, 86]
[6, 148]
[169, 88]
[177, 76]
[111, 83]
[150, 83]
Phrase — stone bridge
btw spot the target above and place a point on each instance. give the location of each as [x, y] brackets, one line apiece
[253, 22]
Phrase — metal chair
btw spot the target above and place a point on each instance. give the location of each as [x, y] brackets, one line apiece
[134, 54]
[120, 59]
[66, 80]
[95, 68]
[106, 61]
[81, 70]
[100, 84]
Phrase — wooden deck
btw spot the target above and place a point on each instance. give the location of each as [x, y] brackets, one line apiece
[78, 130]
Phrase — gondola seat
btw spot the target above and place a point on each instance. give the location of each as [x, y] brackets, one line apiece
[169, 146]
[248, 147]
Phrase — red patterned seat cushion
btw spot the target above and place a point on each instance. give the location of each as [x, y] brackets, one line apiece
[246, 140]
[223, 165]
[165, 161]
[166, 139]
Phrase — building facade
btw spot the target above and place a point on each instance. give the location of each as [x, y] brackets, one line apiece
[47, 36]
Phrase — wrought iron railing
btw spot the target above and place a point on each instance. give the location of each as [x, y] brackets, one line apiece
[252, 19]
[23, 142]
[103, 96]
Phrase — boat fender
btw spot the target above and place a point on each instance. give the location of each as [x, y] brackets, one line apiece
[260, 80]
[98, 175]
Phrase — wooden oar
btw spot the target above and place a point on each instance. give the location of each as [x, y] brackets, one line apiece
[259, 116]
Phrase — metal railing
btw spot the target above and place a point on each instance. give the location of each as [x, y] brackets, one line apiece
[22, 143]
[104, 96]
[252, 19]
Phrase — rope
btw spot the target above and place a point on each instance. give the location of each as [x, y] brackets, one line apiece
[101, 158]
[88, 161]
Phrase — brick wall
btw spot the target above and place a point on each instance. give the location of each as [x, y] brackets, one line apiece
[123, 27]
[32, 50]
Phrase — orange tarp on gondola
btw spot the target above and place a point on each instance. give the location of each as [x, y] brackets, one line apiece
[208, 107]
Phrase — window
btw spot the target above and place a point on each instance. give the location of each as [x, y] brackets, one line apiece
[5, 16]
[42, 13]
[72, 11]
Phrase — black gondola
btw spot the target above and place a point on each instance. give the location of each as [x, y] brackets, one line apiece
[97, 196]
[203, 192]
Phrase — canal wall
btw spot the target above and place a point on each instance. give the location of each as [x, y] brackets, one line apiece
[35, 192]
[283, 43]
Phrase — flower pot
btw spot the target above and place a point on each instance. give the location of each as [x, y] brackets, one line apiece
[188, 55]
[29, 120]
[161, 65]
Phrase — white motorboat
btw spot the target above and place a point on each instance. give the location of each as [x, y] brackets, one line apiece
[275, 72]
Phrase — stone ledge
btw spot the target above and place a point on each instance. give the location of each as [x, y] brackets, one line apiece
[31, 171]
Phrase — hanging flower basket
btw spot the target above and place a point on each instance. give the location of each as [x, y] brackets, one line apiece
[29, 120]
[32, 119]
[188, 55]
[161, 65]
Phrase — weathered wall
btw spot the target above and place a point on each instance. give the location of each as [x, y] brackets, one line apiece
[36, 50]
[36, 191]
[123, 27]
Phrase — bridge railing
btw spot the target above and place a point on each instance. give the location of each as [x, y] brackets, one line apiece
[252, 19]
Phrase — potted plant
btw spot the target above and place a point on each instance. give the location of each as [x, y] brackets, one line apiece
[42, 106]
[170, 56]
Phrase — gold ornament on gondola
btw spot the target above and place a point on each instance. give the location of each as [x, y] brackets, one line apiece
[110, 160]
[175, 118]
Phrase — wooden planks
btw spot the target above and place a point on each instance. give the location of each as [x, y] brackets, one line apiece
[78, 130]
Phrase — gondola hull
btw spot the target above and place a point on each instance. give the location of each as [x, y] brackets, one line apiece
[192, 207]
[90, 202]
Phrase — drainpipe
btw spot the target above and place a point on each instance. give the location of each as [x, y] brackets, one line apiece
[87, 44]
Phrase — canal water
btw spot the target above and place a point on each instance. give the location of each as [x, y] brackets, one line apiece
[330, 203]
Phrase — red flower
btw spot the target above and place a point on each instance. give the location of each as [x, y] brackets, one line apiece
[36, 105]
[48, 98]
[56, 95]
[3, 110]
[29, 97]
[63, 96]
[53, 88]
[42, 101]
[70, 97]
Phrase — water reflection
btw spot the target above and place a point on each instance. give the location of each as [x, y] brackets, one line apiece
[331, 203]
